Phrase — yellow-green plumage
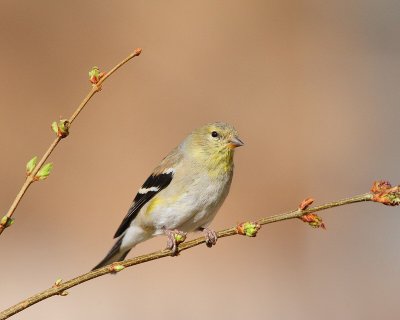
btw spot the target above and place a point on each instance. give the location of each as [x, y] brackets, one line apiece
[216, 155]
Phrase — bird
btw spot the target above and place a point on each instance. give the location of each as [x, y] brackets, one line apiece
[182, 194]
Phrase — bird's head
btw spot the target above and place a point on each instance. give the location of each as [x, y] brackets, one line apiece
[215, 142]
[219, 135]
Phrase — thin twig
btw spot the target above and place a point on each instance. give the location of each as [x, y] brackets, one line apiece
[31, 177]
[60, 288]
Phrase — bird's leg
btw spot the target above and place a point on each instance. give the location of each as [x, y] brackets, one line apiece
[175, 237]
[211, 236]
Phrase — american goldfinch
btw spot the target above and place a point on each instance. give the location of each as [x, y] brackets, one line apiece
[183, 194]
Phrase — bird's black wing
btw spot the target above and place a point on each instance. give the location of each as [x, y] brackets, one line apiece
[153, 185]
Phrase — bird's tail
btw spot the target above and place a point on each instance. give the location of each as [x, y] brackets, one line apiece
[115, 254]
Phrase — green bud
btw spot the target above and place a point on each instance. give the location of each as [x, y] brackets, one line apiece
[63, 125]
[94, 72]
[94, 75]
[44, 172]
[30, 166]
[58, 282]
[179, 238]
[6, 221]
[251, 229]
[393, 199]
[54, 127]
[61, 128]
[118, 268]
[64, 293]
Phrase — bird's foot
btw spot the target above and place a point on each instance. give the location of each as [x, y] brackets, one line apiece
[175, 237]
[211, 237]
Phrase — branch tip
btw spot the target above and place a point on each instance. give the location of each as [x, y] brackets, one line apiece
[383, 192]
[137, 52]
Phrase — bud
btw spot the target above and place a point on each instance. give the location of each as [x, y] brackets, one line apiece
[117, 268]
[61, 128]
[248, 229]
[44, 172]
[30, 166]
[179, 237]
[313, 220]
[137, 51]
[58, 282]
[306, 203]
[5, 222]
[383, 192]
[95, 75]
[380, 186]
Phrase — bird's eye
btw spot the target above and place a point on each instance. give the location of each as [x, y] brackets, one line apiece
[214, 134]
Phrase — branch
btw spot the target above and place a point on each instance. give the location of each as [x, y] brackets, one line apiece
[381, 192]
[61, 128]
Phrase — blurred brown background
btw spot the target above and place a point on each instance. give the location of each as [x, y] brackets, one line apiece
[311, 86]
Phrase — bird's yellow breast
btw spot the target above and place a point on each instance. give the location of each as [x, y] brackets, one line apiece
[220, 163]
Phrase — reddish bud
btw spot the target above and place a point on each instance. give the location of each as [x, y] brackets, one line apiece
[137, 51]
[313, 220]
[383, 192]
[306, 203]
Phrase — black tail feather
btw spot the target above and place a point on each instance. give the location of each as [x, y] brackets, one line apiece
[115, 254]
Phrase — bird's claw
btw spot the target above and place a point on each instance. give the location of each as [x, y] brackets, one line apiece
[211, 237]
[175, 237]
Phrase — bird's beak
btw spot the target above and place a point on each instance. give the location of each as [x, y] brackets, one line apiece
[235, 142]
